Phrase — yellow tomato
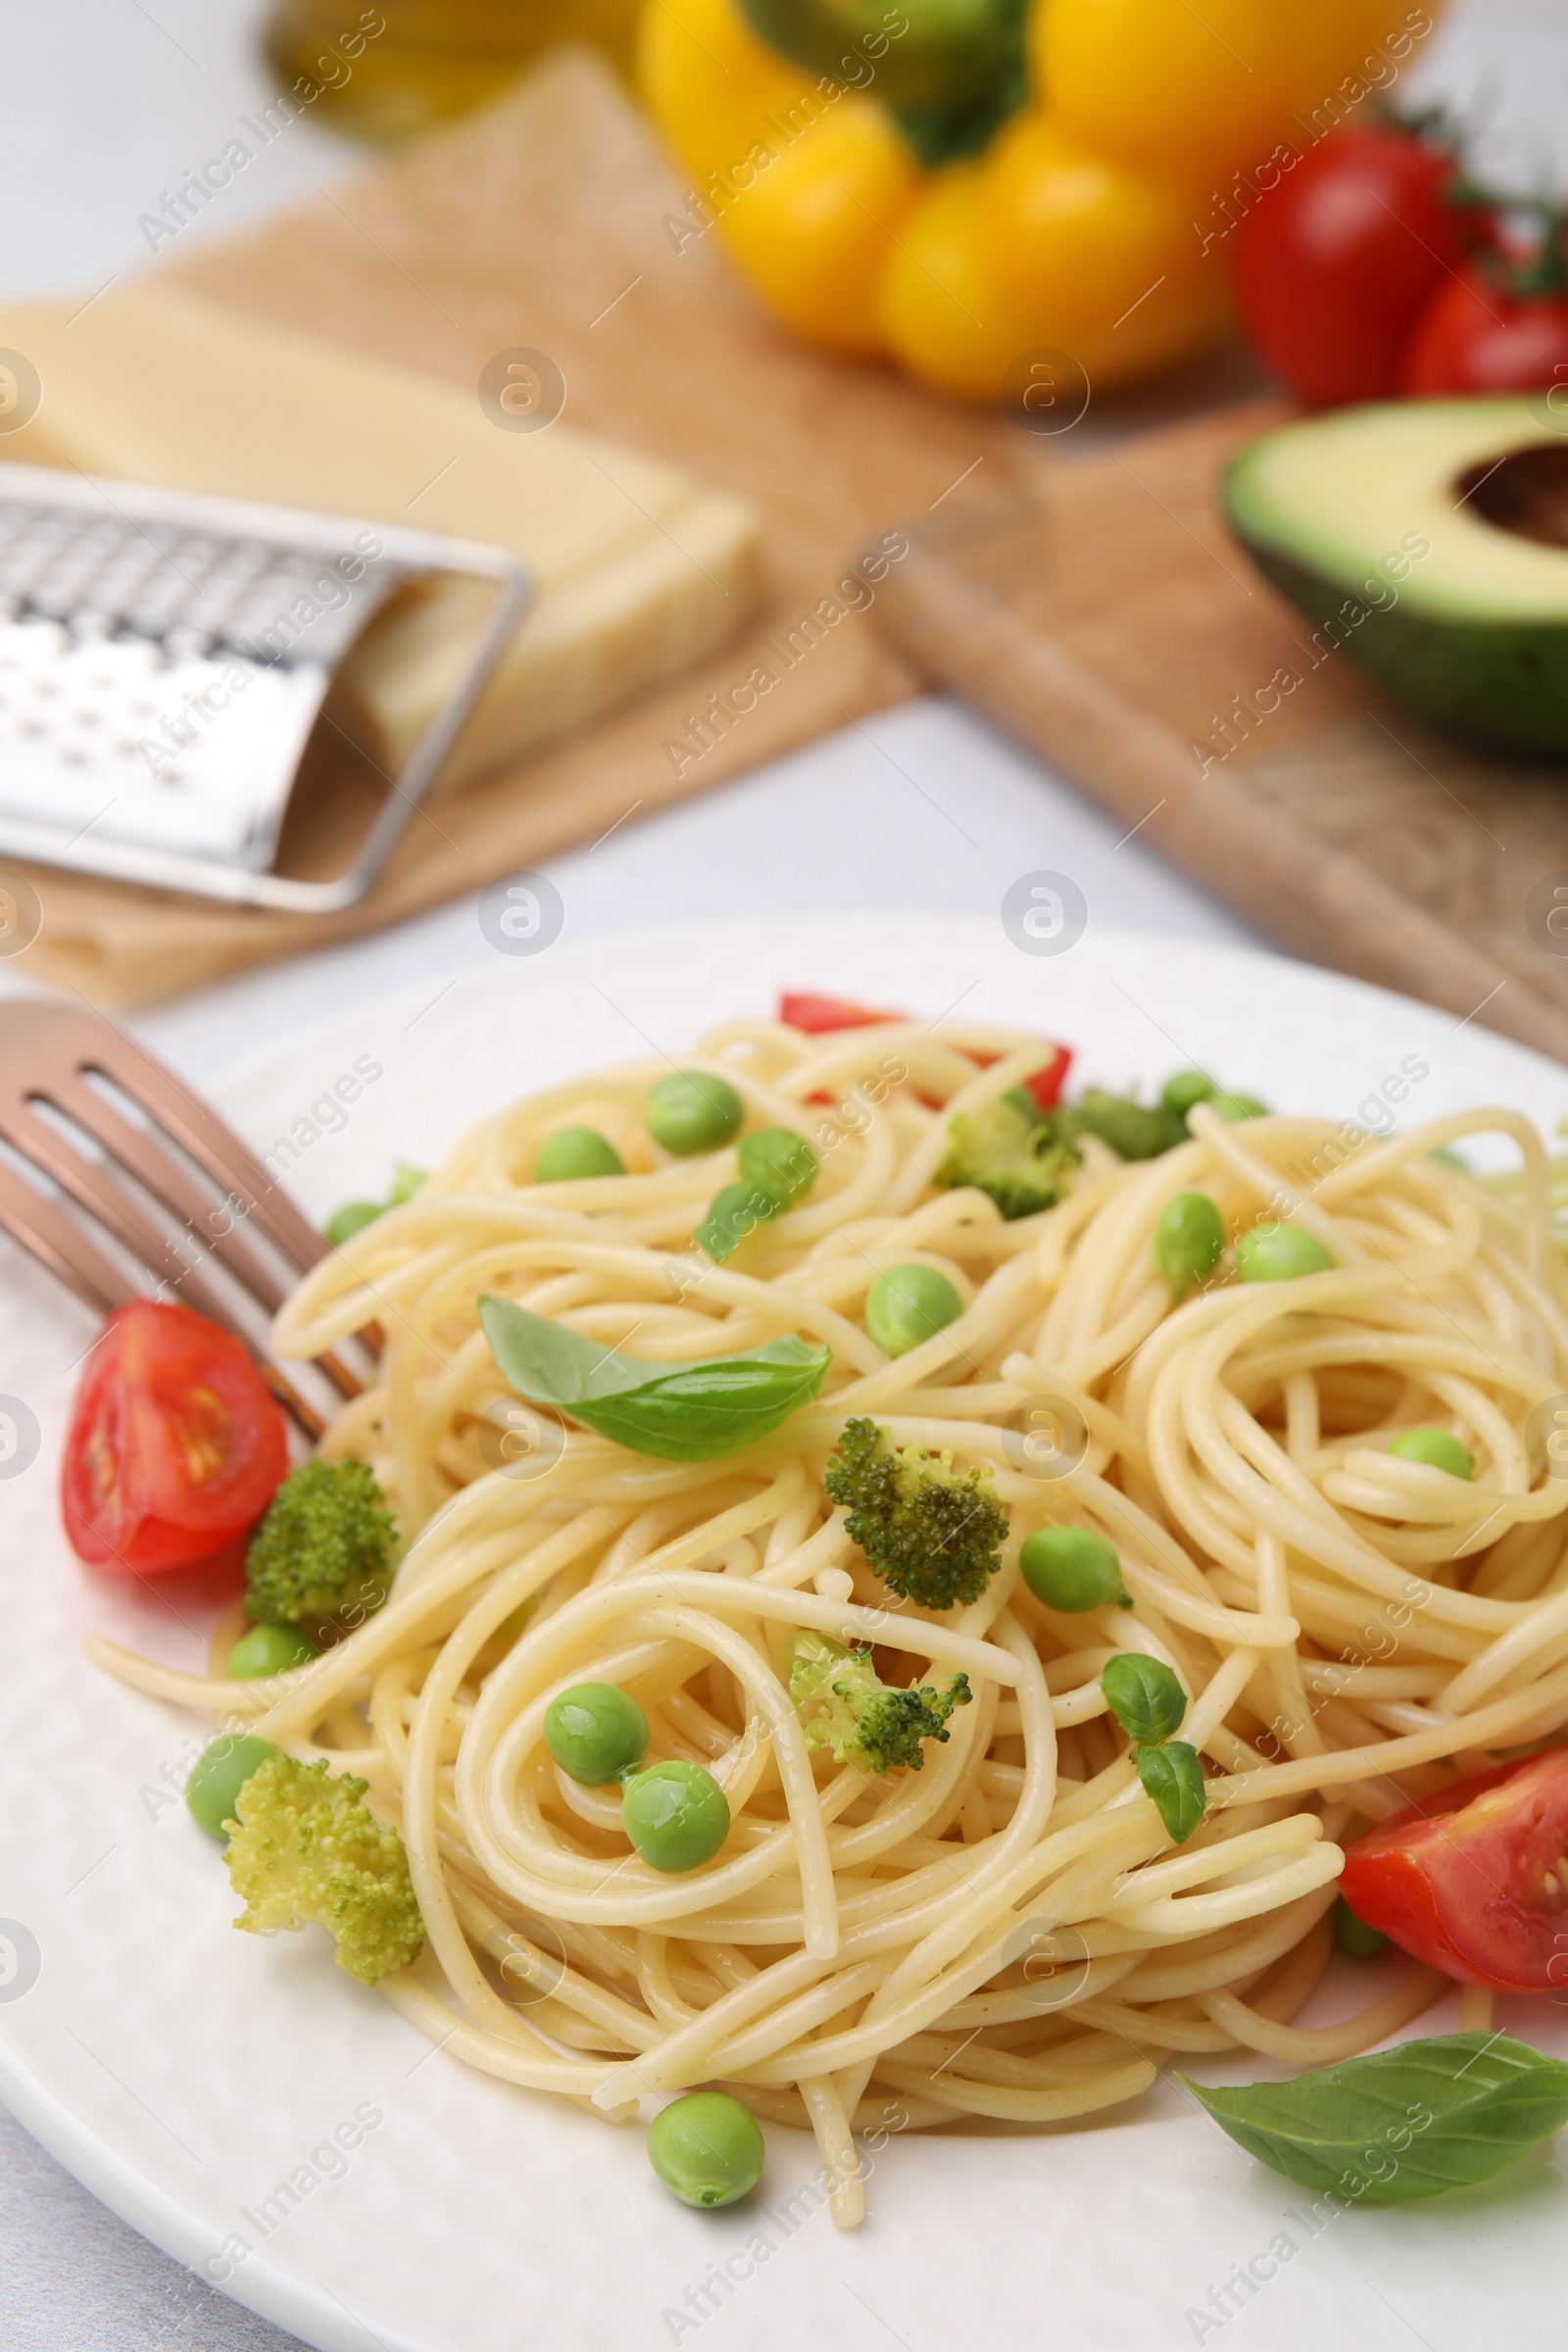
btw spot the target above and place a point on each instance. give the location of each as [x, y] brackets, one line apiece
[808, 182]
[1041, 247]
[1204, 90]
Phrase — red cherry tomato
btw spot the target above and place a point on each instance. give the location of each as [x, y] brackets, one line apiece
[174, 1448]
[1046, 1084]
[1337, 264]
[1476, 337]
[1475, 1881]
[817, 1015]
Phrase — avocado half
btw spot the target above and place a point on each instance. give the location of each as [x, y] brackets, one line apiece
[1428, 540]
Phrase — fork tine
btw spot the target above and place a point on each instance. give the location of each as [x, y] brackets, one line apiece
[94, 1190]
[48, 1046]
[146, 1160]
[65, 1038]
[71, 1256]
[48, 1234]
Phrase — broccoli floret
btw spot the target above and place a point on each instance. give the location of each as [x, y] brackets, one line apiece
[847, 1709]
[322, 1555]
[1022, 1155]
[1131, 1129]
[307, 1848]
[932, 1535]
[1011, 1151]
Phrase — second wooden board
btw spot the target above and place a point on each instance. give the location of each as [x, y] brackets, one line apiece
[1111, 622]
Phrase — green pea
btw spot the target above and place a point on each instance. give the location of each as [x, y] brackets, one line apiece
[1189, 1241]
[217, 1776]
[270, 1649]
[780, 1160]
[706, 2148]
[353, 1215]
[1437, 1449]
[1352, 1935]
[733, 1215]
[572, 1153]
[1279, 1253]
[907, 1304]
[675, 1814]
[595, 1733]
[1071, 1568]
[1180, 1092]
[1231, 1107]
[692, 1112]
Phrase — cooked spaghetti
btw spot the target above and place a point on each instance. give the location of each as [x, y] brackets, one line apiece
[1009, 1930]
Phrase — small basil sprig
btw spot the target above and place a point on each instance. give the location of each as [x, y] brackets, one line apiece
[1173, 1775]
[1149, 1702]
[777, 1167]
[681, 1412]
[1143, 1695]
[1406, 2123]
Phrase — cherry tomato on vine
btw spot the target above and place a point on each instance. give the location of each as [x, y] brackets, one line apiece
[1475, 1880]
[174, 1449]
[1338, 262]
[1477, 336]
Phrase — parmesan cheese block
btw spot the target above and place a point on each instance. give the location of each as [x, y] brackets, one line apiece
[637, 570]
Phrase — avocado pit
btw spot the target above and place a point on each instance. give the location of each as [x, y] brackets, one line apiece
[1525, 492]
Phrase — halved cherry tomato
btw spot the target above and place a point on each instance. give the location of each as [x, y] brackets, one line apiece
[1475, 1881]
[175, 1446]
[817, 1015]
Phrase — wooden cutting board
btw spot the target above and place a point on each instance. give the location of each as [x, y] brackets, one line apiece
[542, 222]
[1106, 617]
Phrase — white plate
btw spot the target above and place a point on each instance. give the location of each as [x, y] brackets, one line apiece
[183, 2072]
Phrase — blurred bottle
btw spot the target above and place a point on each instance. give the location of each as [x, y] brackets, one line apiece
[385, 70]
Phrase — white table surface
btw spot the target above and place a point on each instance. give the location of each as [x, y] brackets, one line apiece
[103, 104]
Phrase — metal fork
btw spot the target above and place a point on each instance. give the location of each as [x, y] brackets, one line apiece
[50, 1052]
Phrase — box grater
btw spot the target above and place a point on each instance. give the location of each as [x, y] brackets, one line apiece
[164, 660]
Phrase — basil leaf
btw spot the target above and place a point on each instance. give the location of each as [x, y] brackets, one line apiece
[551, 1365]
[683, 1413]
[707, 1410]
[1145, 1697]
[1173, 1777]
[1403, 2123]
